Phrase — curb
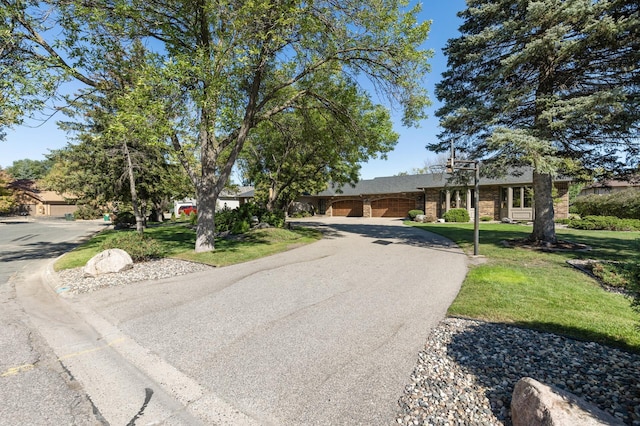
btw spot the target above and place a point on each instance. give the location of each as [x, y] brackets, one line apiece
[50, 278]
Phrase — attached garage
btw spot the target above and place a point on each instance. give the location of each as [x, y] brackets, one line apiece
[392, 207]
[349, 208]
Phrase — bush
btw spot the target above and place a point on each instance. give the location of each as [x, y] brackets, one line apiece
[609, 223]
[486, 218]
[275, 218]
[139, 247]
[414, 213]
[623, 204]
[193, 218]
[240, 227]
[456, 215]
[87, 212]
[124, 220]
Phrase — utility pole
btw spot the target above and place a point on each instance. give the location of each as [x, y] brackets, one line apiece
[453, 165]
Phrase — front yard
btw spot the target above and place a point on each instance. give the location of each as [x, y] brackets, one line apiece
[539, 290]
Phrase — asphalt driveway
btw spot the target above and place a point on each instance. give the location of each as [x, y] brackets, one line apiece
[324, 334]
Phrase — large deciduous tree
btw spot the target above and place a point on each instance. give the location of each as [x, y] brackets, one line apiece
[301, 151]
[230, 65]
[550, 84]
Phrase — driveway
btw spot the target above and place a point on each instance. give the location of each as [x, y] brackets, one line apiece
[324, 334]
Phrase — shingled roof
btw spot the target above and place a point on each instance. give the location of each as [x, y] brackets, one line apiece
[415, 183]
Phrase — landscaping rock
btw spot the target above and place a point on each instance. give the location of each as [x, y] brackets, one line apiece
[420, 218]
[107, 262]
[534, 403]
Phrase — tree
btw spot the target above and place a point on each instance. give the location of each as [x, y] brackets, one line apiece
[433, 165]
[551, 84]
[29, 169]
[231, 65]
[301, 151]
[7, 199]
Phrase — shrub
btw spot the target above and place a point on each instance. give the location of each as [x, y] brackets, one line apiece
[275, 218]
[609, 223]
[193, 218]
[87, 212]
[622, 204]
[139, 246]
[429, 219]
[456, 215]
[486, 218]
[240, 227]
[414, 213]
[124, 219]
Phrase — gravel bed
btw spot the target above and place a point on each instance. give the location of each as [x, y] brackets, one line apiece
[73, 281]
[468, 369]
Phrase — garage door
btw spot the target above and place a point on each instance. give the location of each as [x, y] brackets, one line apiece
[62, 209]
[392, 207]
[351, 208]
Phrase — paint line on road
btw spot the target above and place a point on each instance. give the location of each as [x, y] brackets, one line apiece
[16, 370]
[87, 351]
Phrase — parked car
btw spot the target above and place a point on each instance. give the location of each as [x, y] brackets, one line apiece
[187, 210]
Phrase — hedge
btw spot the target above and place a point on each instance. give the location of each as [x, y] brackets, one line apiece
[623, 204]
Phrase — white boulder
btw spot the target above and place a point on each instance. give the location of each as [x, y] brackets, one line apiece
[107, 262]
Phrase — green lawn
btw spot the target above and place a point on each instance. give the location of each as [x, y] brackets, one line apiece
[540, 290]
[178, 240]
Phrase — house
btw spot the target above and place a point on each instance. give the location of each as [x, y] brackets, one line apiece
[228, 198]
[510, 197]
[610, 186]
[36, 202]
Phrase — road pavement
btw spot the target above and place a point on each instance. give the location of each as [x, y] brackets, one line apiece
[324, 334]
[35, 387]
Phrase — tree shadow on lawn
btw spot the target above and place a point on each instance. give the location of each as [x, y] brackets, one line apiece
[603, 246]
[499, 355]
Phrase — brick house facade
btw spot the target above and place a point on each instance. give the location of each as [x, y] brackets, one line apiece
[435, 194]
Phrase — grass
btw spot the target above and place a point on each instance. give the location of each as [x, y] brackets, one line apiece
[539, 290]
[178, 240]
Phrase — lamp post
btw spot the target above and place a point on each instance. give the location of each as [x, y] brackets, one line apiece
[452, 165]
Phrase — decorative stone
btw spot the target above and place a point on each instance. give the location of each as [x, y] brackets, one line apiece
[534, 403]
[107, 262]
[420, 218]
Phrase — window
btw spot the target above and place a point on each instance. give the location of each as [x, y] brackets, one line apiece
[504, 198]
[528, 196]
[517, 197]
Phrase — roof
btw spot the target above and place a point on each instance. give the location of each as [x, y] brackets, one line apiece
[634, 182]
[415, 183]
[237, 192]
[50, 196]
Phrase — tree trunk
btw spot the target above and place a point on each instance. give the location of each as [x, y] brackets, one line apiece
[134, 193]
[205, 232]
[544, 229]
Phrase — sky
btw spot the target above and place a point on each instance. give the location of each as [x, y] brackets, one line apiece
[35, 139]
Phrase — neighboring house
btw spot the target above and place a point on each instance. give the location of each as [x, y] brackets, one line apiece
[228, 198]
[607, 187]
[35, 202]
[46, 203]
[234, 198]
[394, 196]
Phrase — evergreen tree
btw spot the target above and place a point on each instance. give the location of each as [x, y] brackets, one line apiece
[551, 84]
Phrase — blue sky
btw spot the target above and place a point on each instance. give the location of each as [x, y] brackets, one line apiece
[35, 139]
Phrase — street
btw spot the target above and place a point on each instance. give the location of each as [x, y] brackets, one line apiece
[35, 388]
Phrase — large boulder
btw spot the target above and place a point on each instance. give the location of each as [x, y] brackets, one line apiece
[107, 262]
[536, 404]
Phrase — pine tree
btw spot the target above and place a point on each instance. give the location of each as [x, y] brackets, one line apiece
[549, 84]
